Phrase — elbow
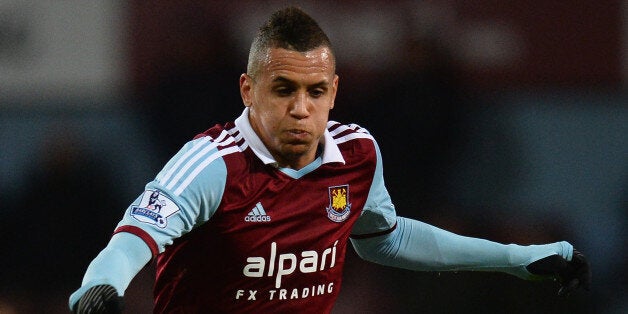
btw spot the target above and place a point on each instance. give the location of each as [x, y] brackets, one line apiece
[376, 250]
[363, 251]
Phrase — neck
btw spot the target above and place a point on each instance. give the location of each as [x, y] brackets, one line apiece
[297, 161]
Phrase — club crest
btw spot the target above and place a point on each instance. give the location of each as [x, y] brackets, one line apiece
[154, 209]
[339, 205]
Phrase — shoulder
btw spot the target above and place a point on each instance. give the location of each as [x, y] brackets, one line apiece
[200, 156]
[354, 142]
[224, 135]
[342, 133]
[225, 138]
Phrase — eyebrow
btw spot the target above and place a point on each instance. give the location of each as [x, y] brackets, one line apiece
[281, 79]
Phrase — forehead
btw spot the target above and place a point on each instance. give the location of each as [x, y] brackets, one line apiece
[284, 62]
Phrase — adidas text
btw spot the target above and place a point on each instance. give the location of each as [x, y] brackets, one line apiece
[257, 214]
[257, 218]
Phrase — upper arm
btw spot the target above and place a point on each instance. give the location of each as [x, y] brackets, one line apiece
[184, 194]
[378, 215]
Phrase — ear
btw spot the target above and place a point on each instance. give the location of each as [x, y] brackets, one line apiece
[334, 90]
[246, 89]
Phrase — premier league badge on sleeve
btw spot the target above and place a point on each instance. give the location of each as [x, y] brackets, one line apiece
[154, 209]
[339, 206]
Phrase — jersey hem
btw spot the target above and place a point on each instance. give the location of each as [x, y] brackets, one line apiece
[372, 235]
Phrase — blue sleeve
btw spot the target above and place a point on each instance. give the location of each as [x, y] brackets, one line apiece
[378, 214]
[184, 194]
[116, 265]
[382, 237]
[418, 246]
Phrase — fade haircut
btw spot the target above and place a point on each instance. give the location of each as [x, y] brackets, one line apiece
[290, 29]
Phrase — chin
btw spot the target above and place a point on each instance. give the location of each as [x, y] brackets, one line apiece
[295, 150]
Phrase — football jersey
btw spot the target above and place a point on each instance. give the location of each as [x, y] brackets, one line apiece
[235, 233]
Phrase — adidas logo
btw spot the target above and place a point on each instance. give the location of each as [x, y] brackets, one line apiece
[257, 214]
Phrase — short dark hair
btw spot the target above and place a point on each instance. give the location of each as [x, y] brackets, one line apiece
[291, 29]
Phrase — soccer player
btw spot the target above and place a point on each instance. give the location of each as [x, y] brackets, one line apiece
[256, 215]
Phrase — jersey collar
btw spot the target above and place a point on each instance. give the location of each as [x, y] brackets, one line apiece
[331, 152]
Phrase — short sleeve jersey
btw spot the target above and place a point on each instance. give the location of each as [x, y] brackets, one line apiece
[234, 233]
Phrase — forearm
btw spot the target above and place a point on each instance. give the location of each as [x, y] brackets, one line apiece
[419, 246]
[116, 265]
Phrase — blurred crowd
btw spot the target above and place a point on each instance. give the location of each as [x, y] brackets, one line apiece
[418, 102]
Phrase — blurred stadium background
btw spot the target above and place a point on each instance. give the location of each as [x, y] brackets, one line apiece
[518, 112]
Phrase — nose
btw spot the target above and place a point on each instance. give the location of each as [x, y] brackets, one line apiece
[300, 106]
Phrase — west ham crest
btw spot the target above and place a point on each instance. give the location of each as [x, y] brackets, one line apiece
[339, 205]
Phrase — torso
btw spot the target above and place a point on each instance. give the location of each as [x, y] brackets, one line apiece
[275, 243]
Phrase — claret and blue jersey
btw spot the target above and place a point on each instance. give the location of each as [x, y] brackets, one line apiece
[234, 232]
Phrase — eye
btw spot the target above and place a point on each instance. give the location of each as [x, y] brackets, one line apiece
[283, 91]
[317, 93]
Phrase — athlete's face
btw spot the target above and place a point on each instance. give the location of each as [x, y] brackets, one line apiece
[289, 101]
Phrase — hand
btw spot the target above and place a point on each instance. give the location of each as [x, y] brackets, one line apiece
[99, 299]
[571, 274]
